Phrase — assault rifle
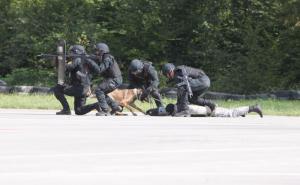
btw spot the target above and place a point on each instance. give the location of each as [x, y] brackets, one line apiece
[43, 55]
[61, 57]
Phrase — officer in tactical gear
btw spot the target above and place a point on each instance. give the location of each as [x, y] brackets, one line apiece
[143, 75]
[109, 69]
[191, 83]
[80, 80]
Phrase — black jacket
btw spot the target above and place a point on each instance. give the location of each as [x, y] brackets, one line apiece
[109, 68]
[190, 72]
[80, 71]
[147, 78]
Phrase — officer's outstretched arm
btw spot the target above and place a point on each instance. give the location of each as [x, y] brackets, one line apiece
[93, 66]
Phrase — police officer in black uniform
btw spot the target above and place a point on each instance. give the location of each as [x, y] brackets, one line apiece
[198, 82]
[111, 72]
[143, 75]
[80, 81]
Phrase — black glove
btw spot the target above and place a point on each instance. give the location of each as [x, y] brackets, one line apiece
[144, 95]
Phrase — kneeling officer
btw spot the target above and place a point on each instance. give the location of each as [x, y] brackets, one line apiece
[112, 79]
[79, 87]
[143, 75]
[192, 83]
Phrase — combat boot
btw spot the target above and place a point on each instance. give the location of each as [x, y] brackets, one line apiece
[116, 109]
[211, 105]
[204, 102]
[64, 112]
[256, 108]
[103, 113]
[184, 113]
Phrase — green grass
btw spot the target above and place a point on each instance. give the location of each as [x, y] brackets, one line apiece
[22, 101]
[270, 107]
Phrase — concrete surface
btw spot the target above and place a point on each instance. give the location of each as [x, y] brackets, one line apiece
[39, 148]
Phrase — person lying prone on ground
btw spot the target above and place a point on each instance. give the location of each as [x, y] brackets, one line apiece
[203, 111]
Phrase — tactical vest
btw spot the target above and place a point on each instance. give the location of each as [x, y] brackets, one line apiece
[80, 75]
[113, 70]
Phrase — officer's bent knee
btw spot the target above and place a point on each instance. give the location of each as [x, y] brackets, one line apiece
[99, 91]
[78, 111]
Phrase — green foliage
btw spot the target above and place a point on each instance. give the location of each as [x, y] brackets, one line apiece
[269, 107]
[31, 77]
[244, 46]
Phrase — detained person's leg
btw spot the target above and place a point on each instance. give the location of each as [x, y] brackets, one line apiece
[237, 112]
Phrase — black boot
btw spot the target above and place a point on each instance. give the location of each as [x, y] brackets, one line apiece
[116, 109]
[256, 108]
[204, 102]
[103, 113]
[64, 112]
[59, 94]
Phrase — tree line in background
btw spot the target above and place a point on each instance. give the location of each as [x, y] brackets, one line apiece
[245, 46]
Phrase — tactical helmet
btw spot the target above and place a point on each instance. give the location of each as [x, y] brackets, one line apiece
[102, 47]
[136, 66]
[77, 49]
[171, 109]
[167, 68]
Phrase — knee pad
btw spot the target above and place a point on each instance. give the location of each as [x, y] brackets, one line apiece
[99, 92]
[58, 89]
[78, 111]
[206, 83]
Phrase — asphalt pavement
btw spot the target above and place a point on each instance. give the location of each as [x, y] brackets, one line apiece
[40, 148]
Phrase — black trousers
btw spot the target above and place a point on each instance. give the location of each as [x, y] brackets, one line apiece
[79, 93]
[105, 87]
[156, 96]
[199, 86]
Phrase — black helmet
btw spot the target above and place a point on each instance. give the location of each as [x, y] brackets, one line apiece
[167, 68]
[77, 49]
[102, 47]
[136, 66]
[171, 109]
